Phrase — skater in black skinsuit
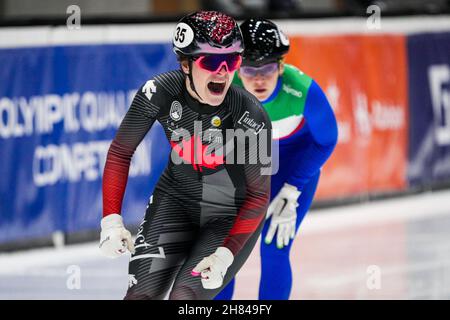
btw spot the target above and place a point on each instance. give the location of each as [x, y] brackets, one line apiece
[208, 207]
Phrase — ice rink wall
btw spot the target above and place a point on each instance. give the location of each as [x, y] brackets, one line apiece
[64, 92]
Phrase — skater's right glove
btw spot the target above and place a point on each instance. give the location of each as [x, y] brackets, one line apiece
[213, 268]
[283, 210]
[114, 238]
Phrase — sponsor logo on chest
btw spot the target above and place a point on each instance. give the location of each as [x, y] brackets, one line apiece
[292, 91]
[250, 123]
[176, 111]
[216, 121]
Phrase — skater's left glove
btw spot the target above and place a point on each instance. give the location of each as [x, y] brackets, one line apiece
[283, 210]
[213, 268]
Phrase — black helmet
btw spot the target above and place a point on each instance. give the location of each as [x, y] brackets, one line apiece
[209, 32]
[264, 42]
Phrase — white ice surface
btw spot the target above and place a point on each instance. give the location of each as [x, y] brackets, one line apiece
[407, 238]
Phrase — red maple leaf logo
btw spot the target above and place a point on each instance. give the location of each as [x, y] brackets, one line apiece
[195, 152]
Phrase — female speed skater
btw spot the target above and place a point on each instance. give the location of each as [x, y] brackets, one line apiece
[207, 211]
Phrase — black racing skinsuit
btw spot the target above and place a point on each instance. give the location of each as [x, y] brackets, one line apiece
[203, 200]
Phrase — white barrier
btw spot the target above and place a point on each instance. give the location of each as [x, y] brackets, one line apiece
[11, 37]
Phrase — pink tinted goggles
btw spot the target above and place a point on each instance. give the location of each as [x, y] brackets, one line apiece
[214, 63]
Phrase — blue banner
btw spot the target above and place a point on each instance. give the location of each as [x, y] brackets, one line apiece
[59, 110]
[429, 112]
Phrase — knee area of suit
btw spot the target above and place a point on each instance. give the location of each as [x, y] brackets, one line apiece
[275, 257]
[268, 251]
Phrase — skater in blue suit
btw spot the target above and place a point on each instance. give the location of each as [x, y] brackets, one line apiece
[305, 128]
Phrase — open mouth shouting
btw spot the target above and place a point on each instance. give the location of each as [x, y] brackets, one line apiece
[216, 87]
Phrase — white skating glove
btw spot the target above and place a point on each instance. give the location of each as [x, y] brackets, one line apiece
[114, 238]
[213, 268]
[284, 214]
